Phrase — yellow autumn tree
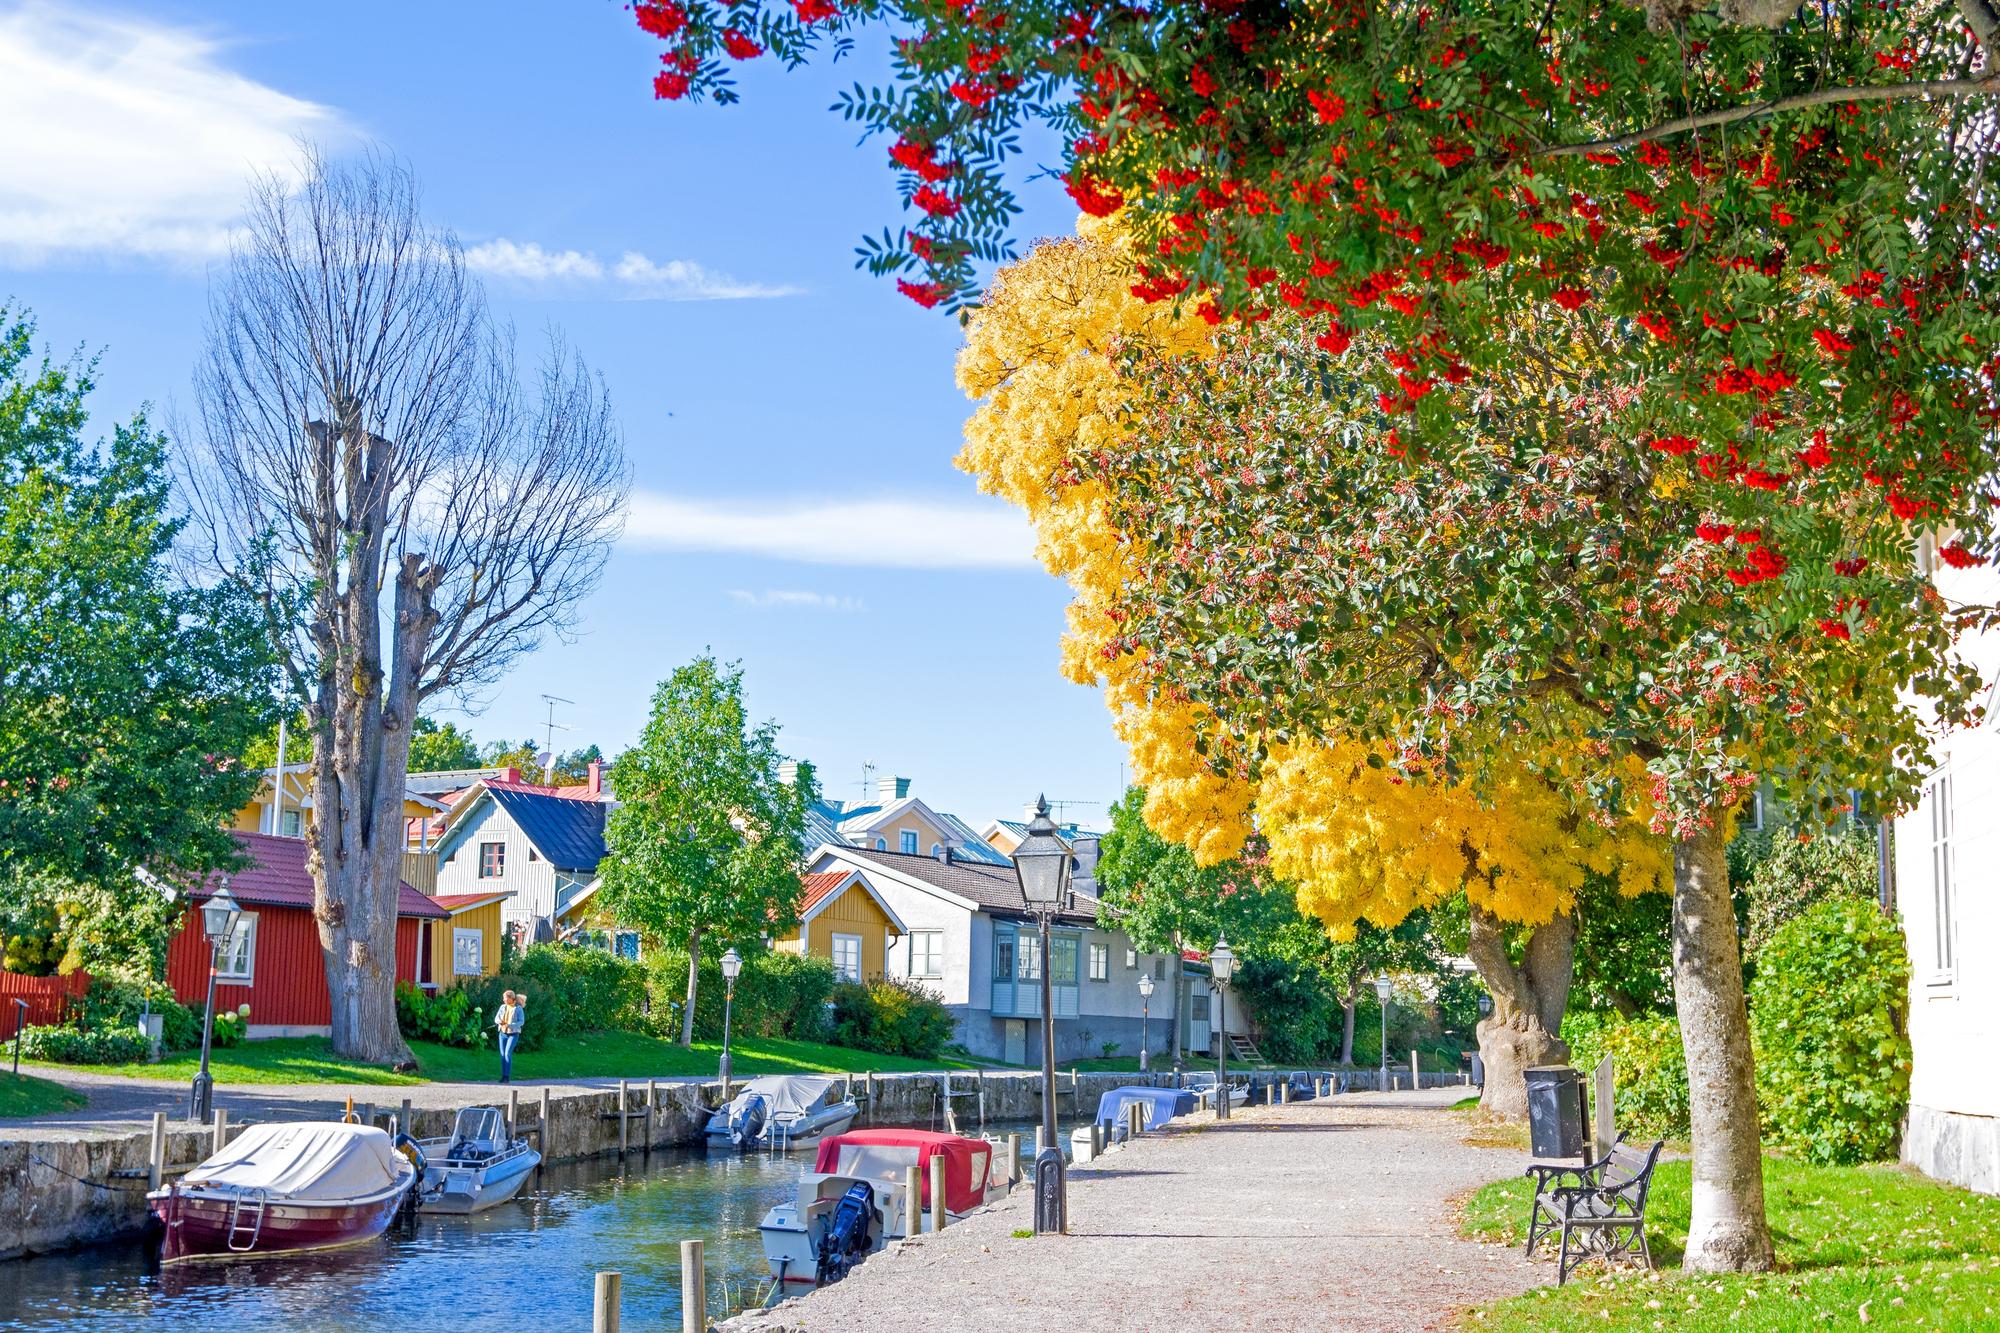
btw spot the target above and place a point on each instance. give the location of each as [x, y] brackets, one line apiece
[1360, 839]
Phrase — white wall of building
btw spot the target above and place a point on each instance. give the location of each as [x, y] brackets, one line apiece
[531, 879]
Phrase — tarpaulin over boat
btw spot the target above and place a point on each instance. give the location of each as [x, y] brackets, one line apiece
[787, 1094]
[1160, 1104]
[885, 1154]
[316, 1161]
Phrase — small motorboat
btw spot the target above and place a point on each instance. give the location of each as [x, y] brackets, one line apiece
[477, 1167]
[279, 1189]
[852, 1203]
[1202, 1085]
[782, 1112]
[1157, 1106]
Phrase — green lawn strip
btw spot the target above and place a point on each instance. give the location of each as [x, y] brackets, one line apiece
[21, 1094]
[1917, 1253]
[307, 1060]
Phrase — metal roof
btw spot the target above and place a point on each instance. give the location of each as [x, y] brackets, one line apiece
[276, 876]
[995, 889]
[567, 832]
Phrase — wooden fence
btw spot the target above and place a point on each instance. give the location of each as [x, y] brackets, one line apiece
[47, 998]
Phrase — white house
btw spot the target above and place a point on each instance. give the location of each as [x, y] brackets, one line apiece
[541, 847]
[1944, 845]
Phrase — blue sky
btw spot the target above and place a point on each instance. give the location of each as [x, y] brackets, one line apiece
[790, 421]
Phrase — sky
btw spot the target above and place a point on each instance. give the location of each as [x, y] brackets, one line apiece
[790, 421]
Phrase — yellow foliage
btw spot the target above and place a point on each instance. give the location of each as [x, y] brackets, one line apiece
[1359, 843]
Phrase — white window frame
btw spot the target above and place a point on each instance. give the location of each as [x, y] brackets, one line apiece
[1944, 882]
[1098, 962]
[927, 954]
[834, 947]
[237, 962]
[1757, 811]
[1131, 959]
[500, 871]
[907, 840]
[291, 823]
[460, 937]
[881, 844]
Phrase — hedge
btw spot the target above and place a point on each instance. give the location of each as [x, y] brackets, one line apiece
[891, 1015]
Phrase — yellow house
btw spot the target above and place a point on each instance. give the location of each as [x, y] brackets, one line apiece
[843, 919]
[468, 945]
[286, 818]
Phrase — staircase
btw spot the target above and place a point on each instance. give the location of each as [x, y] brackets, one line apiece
[1244, 1051]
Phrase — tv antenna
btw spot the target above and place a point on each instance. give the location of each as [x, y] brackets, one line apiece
[549, 759]
[1057, 807]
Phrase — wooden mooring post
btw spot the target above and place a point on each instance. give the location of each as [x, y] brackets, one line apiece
[652, 1095]
[868, 1087]
[1013, 1157]
[937, 1192]
[542, 1131]
[694, 1288]
[980, 1075]
[156, 1151]
[604, 1303]
[624, 1124]
[913, 1201]
[220, 1139]
[1416, 1074]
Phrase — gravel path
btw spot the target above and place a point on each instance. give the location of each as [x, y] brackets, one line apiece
[1319, 1215]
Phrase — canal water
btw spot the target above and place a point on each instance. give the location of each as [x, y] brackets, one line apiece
[526, 1265]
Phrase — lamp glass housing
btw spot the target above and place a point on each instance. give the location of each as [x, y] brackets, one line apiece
[732, 964]
[1384, 988]
[219, 914]
[1042, 862]
[1222, 962]
[1145, 985]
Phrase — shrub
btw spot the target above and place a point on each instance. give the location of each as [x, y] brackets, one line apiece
[891, 1015]
[777, 995]
[450, 1017]
[1651, 1067]
[482, 997]
[110, 1006]
[586, 989]
[1827, 1015]
[74, 1046]
[1797, 875]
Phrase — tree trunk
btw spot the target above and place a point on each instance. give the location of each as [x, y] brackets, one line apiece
[694, 976]
[1528, 1003]
[1347, 1024]
[1727, 1232]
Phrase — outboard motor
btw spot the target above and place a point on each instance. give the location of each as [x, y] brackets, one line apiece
[848, 1237]
[746, 1123]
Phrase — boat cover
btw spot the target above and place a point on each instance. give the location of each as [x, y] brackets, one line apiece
[787, 1094]
[885, 1154]
[307, 1162]
[1161, 1105]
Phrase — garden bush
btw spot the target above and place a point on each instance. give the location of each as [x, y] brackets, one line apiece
[1650, 1065]
[777, 995]
[1827, 1016]
[74, 1046]
[450, 1017]
[109, 1006]
[891, 1015]
[1796, 875]
[482, 996]
[587, 989]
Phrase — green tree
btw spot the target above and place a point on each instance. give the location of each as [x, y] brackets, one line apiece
[124, 691]
[1800, 873]
[705, 845]
[436, 747]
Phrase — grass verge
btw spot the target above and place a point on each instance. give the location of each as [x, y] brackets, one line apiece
[1874, 1245]
[21, 1094]
[282, 1060]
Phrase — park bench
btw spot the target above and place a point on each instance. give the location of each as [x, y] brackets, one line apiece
[1603, 1204]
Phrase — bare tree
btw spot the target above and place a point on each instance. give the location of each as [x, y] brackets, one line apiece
[411, 518]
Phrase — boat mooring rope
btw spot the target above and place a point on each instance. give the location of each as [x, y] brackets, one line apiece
[94, 1184]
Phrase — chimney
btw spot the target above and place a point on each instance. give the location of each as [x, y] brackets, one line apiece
[510, 774]
[788, 772]
[891, 789]
[944, 853]
[596, 777]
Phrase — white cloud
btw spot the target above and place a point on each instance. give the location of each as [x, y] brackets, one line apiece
[125, 135]
[633, 277]
[785, 598]
[891, 532]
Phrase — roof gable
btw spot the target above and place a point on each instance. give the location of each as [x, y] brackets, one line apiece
[276, 876]
[825, 888]
[974, 885]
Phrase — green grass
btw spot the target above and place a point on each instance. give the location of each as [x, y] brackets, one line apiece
[22, 1095]
[1915, 1253]
[581, 1055]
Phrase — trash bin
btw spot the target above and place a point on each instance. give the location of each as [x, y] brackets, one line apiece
[1555, 1111]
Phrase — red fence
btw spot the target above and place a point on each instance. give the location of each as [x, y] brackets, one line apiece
[47, 997]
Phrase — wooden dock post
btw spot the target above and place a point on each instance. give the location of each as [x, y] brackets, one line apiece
[937, 1191]
[513, 1109]
[980, 1076]
[543, 1126]
[156, 1152]
[1284, 1092]
[1136, 1115]
[409, 1119]
[1075, 1096]
[1014, 1157]
[1096, 1139]
[604, 1304]
[624, 1125]
[868, 1083]
[950, 1112]
[1416, 1078]
[694, 1288]
[652, 1096]
[221, 1138]
[913, 1201]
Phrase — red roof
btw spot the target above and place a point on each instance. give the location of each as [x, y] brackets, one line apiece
[458, 902]
[966, 1160]
[276, 876]
[818, 886]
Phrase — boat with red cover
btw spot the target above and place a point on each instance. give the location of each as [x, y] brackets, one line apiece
[278, 1189]
[852, 1203]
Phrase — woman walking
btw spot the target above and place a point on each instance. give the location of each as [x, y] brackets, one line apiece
[507, 1020]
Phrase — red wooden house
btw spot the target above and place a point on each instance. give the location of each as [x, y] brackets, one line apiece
[273, 962]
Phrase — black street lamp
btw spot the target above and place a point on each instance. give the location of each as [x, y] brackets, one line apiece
[1145, 1004]
[1384, 988]
[1222, 966]
[732, 967]
[20, 1026]
[218, 921]
[1041, 863]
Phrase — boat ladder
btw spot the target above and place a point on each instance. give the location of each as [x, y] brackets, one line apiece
[248, 1218]
[778, 1136]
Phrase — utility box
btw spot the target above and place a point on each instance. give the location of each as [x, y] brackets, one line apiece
[150, 1027]
[1556, 1122]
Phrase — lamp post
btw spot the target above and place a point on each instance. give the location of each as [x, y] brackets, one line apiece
[732, 967]
[20, 1026]
[1222, 966]
[218, 921]
[1383, 989]
[1145, 1007]
[1041, 863]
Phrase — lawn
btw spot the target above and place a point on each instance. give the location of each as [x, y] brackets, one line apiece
[581, 1055]
[1875, 1245]
[21, 1095]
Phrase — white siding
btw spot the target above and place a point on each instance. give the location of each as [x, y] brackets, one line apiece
[531, 879]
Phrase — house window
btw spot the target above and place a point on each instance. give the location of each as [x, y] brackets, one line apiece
[291, 823]
[1131, 958]
[881, 844]
[1757, 811]
[937, 850]
[492, 860]
[468, 952]
[1029, 948]
[1159, 969]
[847, 957]
[926, 953]
[909, 841]
[1003, 956]
[1198, 1008]
[1100, 962]
[1062, 960]
[625, 944]
[1944, 890]
[238, 958]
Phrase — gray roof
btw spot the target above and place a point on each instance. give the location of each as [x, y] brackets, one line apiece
[994, 888]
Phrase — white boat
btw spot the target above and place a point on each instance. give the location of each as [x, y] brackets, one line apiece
[1202, 1085]
[782, 1112]
[852, 1204]
[475, 1168]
